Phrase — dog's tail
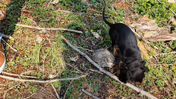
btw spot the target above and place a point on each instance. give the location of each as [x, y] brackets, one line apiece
[110, 24]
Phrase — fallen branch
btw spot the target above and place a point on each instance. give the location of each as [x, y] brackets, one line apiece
[89, 94]
[108, 73]
[49, 29]
[40, 81]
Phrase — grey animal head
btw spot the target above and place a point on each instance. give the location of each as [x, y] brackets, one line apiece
[103, 58]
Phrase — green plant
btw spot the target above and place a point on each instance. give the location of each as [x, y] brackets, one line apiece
[172, 44]
[151, 53]
[155, 10]
[45, 15]
[77, 4]
[34, 3]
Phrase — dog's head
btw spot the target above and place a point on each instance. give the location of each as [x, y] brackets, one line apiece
[133, 72]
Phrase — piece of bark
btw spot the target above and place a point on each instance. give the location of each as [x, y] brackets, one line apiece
[168, 37]
[148, 28]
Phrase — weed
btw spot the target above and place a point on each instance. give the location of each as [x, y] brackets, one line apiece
[43, 14]
[76, 4]
[151, 53]
[155, 10]
[33, 3]
[33, 89]
[172, 44]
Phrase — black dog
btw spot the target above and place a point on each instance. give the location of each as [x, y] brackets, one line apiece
[134, 67]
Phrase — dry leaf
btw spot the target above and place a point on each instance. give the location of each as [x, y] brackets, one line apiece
[74, 58]
[148, 28]
[55, 2]
[96, 35]
[171, 1]
[166, 37]
[1, 15]
[38, 39]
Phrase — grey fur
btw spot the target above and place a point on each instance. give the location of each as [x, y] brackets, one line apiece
[103, 58]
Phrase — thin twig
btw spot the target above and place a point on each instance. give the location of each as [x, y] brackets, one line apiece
[90, 94]
[155, 58]
[48, 91]
[162, 54]
[49, 29]
[40, 81]
[63, 11]
[108, 73]
[26, 72]
[46, 20]
[55, 91]
[9, 45]
[96, 71]
[67, 89]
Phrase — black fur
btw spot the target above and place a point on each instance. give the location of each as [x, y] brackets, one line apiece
[122, 36]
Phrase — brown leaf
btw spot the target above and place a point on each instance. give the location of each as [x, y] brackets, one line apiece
[1, 15]
[148, 28]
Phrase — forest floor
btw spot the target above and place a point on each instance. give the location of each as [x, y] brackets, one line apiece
[42, 55]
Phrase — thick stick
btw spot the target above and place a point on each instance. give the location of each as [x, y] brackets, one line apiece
[40, 81]
[108, 73]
